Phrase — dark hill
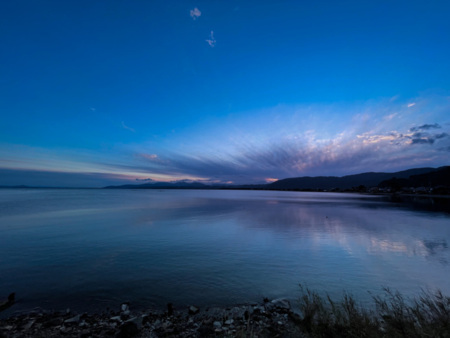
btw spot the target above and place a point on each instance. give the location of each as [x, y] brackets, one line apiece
[370, 179]
[436, 178]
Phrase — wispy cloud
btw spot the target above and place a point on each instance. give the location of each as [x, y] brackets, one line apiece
[280, 144]
[284, 141]
[195, 13]
[411, 104]
[124, 126]
[212, 40]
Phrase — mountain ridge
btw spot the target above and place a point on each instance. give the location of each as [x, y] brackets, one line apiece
[367, 179]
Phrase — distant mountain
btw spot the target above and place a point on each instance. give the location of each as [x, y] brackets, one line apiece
[370, 179]
[439, 177]
[420, 177]
[162, 185]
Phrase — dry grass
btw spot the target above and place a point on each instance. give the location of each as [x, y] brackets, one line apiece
[392, 315]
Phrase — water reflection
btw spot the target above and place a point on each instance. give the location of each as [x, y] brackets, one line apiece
[213, 247]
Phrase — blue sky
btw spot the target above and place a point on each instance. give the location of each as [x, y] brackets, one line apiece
[110, 92]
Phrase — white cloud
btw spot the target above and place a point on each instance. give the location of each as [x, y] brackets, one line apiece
[151, 157]
[411, 104]
[212, 40]
[195, 13]
[124, 126]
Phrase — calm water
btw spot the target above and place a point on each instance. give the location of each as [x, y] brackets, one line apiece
[89, 249]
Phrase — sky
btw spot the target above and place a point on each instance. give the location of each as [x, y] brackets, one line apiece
[103, 92]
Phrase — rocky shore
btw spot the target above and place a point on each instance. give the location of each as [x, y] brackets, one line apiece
[268, 319]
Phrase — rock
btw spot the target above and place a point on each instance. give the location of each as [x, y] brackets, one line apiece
[170, 309]
[281, 303]
[193, 310]
[115, 319]
[217, 324]
[125, 314]
[64, 330]
[75, 319]
[67, 311]
[205, 331]
[124, 307]
[7, 303]
[229, 321]
[52, 322]
[137, 321]
[127, 330]
[29, 325]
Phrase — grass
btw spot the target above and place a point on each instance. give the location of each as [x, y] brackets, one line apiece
[392, 315]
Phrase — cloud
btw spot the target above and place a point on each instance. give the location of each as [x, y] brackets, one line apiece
[426, 127]
[145, 180]
[420, 138]
[212, 40]
[150, 157]
[124, 126]
[280, 142]
[195, 13]
[411, 104]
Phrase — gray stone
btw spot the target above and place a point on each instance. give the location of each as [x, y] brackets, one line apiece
[29, 325]
[281, 303]
[137, 321]
[115, 319]
[124, 307]
[217, 324]
[193, 310]
[229, 321]
[64, 330]
[75, 319]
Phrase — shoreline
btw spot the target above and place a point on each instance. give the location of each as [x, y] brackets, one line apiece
[265, 319]
[393, 315]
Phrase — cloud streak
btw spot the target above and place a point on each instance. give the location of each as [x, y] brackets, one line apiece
[124, 126]
[212, 40]
[273, 144]
[299, 147]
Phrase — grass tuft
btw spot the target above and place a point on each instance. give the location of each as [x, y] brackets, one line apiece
[392, 315]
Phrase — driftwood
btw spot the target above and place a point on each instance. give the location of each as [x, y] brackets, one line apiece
[8, 302]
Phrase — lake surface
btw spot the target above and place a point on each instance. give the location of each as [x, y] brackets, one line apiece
[92, 249]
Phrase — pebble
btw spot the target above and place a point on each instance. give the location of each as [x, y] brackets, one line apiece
[243, 320]
[193, 310]
[75, 319]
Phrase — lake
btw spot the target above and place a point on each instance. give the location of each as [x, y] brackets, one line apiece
[92, 249]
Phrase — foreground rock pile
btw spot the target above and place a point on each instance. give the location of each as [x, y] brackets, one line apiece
[269, 319]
